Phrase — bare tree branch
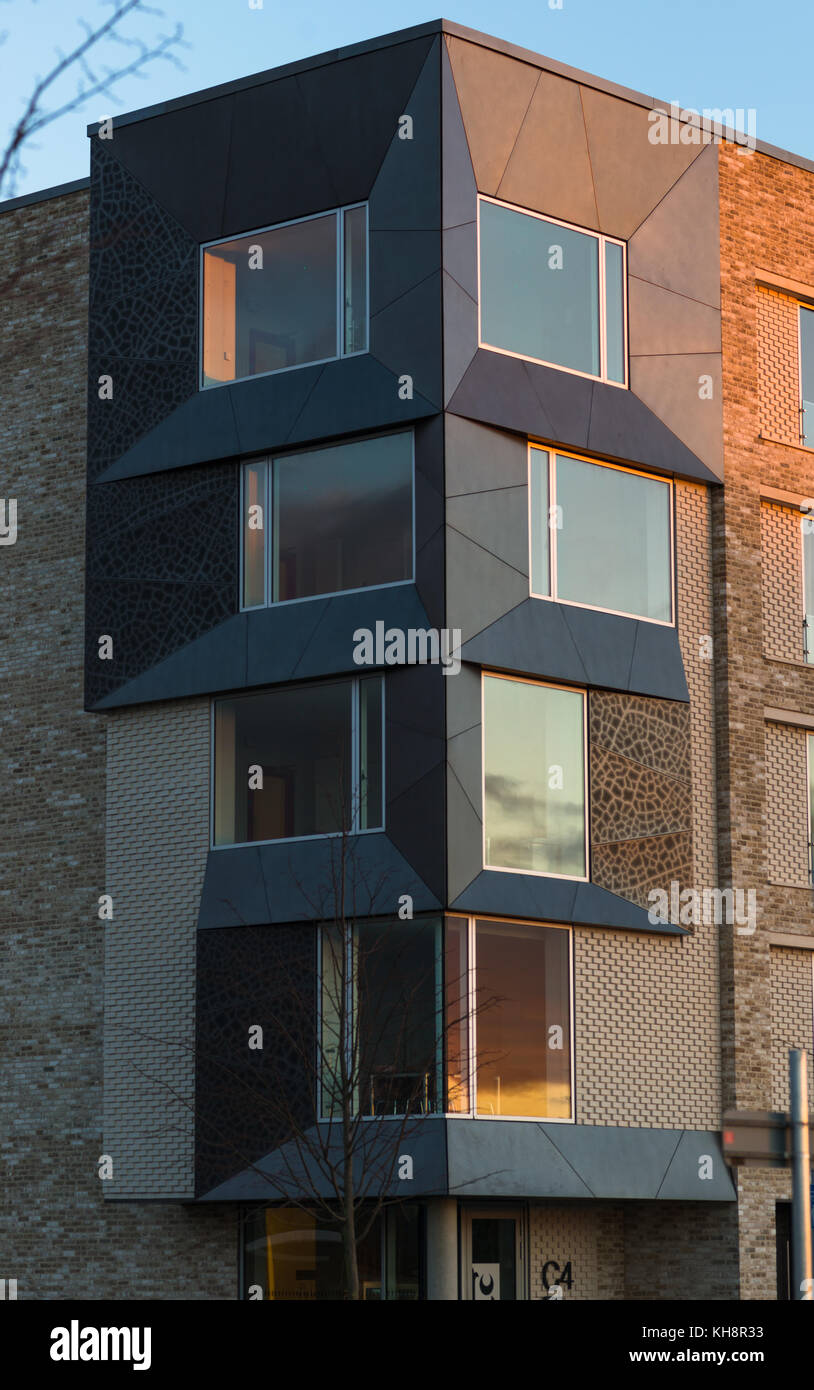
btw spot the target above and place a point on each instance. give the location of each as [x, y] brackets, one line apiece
[92, 81]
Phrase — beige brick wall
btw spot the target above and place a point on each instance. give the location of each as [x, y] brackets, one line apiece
[782, 587]
[778, 365]
[590, 1238]
[758, 1191]
[792, 1018]
[646, 1007]
[157, 843]
[787, 815]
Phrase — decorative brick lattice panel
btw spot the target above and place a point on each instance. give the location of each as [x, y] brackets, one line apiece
[157, 844]
[792, 1020]
[778, 365]
[787, 815]
[640, 794]
[590, 1239]
[781, 549]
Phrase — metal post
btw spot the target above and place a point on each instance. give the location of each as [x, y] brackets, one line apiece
[801, 1178]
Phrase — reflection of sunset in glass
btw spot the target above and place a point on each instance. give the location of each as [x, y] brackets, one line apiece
[534, 777]
[526, 970]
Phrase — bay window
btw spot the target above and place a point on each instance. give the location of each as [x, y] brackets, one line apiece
[284, 296]
[328, 521]
[299, 761]
[552, 293]
[534, 778]
[601, 536]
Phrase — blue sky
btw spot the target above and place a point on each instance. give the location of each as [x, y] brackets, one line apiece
[703, 53]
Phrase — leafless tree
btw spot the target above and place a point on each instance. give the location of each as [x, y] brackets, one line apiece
[94, 77]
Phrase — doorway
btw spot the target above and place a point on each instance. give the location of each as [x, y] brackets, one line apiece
[493, 1254]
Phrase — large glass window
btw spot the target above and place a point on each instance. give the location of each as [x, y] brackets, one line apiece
[292, 1254]
[807, 524]
[381, 1009]
[807, 375]
[285, 296]
[600, 536]
[328, 521]
[552, 293]
[519, 1008]
[299, 761]
[534, 777]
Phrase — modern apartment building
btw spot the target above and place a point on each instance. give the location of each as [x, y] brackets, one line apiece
[411, 452]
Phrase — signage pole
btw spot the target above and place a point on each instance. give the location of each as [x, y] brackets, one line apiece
[801, 1178]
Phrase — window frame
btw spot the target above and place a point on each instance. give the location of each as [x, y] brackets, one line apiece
[810, 804]
[808, 643]
[268, 461]
[338, 213]
[355, 829]
[549, 685]
[471, 967]
[602, 238]
[352, 1007]
[801, 305]
[552, 451]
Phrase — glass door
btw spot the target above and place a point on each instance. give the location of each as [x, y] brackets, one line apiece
[492, 1256]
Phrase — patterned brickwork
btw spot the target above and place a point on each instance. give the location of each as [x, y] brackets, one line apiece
[590, 1238]
[767, 220]
[646, 1008]
[59, 1239]
[792, 1018]
[640, 809]
[781, 554]
[681, 1250]
[157, 843]
[778, 365]
[787, 854]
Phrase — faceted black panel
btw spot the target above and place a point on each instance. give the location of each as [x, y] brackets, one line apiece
[162, 567]
[143, 311]
[298, 880]
[247, 1099]
[555, 900]
[564, 642]
[354, 106]
[182, 157]
[566, 409]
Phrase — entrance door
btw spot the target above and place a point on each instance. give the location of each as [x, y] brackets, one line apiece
[492, 1256]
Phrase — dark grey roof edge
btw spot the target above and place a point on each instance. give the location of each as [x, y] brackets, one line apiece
[434, 26]
[241, 84]
[59, 190]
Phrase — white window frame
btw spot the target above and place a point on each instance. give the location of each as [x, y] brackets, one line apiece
[267, 461]
[354, 828]
[471, 995]
[339, 214]
[810, 308]
[553, 596]
[549, 685]
[602, 239]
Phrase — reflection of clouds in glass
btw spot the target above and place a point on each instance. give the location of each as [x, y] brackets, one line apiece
[527, 831]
